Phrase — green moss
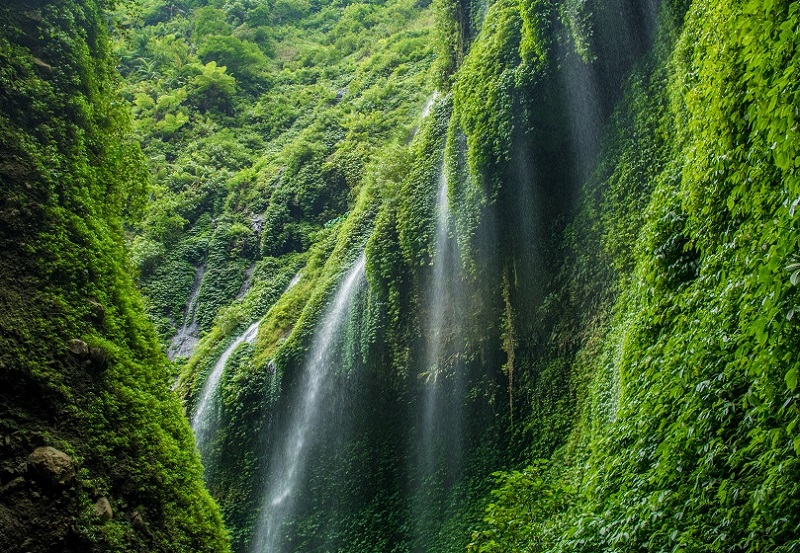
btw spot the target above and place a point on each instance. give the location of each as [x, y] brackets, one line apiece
[684, 435]
[72, 176]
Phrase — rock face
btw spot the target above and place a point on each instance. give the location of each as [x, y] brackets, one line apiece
[102, 509]
[52, 466]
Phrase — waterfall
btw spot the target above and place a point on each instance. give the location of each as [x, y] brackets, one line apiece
[248, 281]
[426, 109]
[184, 342]
[438, 442]
[442, 269]
[290, 459]
[202, 421]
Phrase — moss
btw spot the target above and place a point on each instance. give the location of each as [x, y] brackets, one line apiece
[72, 177]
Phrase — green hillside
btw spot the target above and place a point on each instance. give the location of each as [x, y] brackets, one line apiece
[82, 371]
[509, 276]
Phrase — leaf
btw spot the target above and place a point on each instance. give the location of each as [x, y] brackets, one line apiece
[791, 379]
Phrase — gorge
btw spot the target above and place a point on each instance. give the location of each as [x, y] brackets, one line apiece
[399, 275]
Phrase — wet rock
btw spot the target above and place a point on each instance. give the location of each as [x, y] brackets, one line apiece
[52, 466]
[78, 348]
[102, 509]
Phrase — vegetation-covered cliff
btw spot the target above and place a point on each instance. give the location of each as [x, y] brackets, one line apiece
[81, 370]
[492, 276]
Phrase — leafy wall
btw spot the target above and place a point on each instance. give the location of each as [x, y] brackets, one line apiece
[622, 179]
[82, 370]
[683, 427]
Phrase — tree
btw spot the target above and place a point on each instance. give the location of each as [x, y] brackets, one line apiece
[212, 88]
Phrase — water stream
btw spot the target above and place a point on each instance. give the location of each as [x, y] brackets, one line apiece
[426, 108]
[184, 342]
[203, 422]
[439, 419]
[289, 460]
[248, 281]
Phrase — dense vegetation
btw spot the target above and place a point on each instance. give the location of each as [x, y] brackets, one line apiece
[683, 427]
[82, 370]
[592, 349]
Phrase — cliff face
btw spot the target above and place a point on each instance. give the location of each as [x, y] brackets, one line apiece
[498, 276]
[581, 261]
[657, 373]
[95, 452]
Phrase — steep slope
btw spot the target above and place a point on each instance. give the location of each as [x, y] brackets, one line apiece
[679, 385]
[580, 256]
[82, 371]
[279, 180]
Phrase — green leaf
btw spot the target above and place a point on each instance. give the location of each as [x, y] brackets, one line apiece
[791, 379]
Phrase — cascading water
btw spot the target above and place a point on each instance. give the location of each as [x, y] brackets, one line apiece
[248, 281]
[426, 109]
[184, 342]
[315, 388]
[437, 307]
[203, 422]
[439, 422]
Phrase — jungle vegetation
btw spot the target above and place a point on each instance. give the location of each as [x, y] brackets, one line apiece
[578, 328]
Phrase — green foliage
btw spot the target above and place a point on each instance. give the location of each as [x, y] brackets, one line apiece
[71, 178]
[289, 150]
[624, 187]
[243, 58]
[212, 88]
[274, 131]
[523, 502]
[684, 437]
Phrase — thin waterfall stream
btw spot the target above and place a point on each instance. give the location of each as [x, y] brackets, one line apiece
[438, 442]
[436, 321]
[203, 422]
[290, 458]
[184, 342]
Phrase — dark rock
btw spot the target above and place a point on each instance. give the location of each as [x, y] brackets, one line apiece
[52, 466]
[99, 358]
[137, 521]
[13, 486]
[97, 310]
[78, 348]
[102, 509]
